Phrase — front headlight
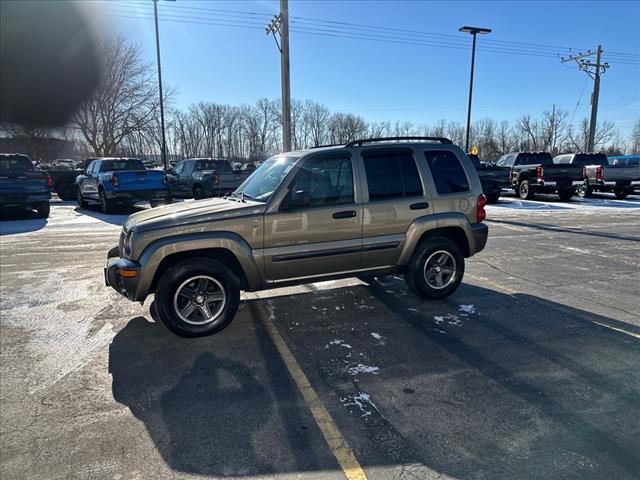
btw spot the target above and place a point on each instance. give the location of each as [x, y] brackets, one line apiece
[127, 245]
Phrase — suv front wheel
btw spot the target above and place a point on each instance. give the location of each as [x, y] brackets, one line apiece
[436, 268]
[199, 297]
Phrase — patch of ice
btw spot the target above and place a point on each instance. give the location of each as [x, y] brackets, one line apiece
[339, 343]
[377, 336]
[450, 319]
[361, 368]
[363, 402]
[468, 309]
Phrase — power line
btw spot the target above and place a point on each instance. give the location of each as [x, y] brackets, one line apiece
[336, 33]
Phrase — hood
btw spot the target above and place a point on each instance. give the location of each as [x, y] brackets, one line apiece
[188, 212]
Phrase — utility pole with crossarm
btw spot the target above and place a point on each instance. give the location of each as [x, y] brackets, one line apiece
[280, 25]
[594, 70]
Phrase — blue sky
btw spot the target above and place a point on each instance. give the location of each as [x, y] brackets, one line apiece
[380, 80]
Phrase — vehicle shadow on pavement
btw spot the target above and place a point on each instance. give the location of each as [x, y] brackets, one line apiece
[482, 385]
[20, 222]
[576, 231]
[219, 406]
[118, 217]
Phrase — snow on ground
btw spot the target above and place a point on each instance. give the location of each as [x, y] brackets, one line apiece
[361, 368]
[363, 402]
[510, 204]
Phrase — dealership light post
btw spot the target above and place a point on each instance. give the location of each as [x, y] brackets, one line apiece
[473, 31]
[164, 142]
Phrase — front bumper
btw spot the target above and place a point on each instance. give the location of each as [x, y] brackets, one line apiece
[480, 234]
[121, 274]
[132, 196]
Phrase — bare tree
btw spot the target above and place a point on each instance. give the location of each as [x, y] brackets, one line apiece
[125, 101]
[578, 139]
[634, 139]
[316, 116]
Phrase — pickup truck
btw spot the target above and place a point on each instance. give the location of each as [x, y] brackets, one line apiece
[204, 177]
[535, 172]
[410, 206]
[492, 178]
[112, 181]
[627, 160]
[22, 186]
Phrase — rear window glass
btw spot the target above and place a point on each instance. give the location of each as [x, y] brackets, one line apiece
[16, 162]
[598, 159]
[448, 174]
[534, 158]
[119, 165]
[212, 165]
[391, 174]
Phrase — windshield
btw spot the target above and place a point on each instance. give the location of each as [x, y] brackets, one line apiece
[119, 165]
[265, 179]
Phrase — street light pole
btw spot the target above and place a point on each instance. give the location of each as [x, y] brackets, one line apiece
[164, 143]
[473, 31]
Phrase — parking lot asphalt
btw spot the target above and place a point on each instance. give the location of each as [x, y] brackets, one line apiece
[530, 370]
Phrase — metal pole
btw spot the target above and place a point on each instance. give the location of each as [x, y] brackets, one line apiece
[284, 70]
[594, 102]
[473, 61]
[164, 144]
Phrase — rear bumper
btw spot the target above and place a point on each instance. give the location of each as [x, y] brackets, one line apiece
[554, 185]
[24, 199]
[114, 273]
[132, 196]
[480, 233]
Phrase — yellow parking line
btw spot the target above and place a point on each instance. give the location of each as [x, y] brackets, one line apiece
[338, 445]
[511, 291]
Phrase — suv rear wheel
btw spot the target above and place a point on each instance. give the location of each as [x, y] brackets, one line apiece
[436, 268]
[585, 190]
[197, 297]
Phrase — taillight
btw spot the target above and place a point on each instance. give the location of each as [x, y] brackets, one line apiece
[114, 181]
[215, 178]
[599, 173]
[49, 182]
[584, 172]
[481, 213]
[510, 175]
[540, 172]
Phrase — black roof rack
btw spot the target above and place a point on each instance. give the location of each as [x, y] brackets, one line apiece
[358, 143]
[327, 145]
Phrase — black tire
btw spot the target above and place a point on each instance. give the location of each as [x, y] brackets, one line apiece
[198, 192]
[43, 210]
[493, 197]
[82, 203]
[585, 190]
[417, 274]
[106, 205]
[565, 195]
[66, 193]
[525, 191]
[176, 279]
[620, 194]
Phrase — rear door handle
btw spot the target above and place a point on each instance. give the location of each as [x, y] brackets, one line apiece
[419, 206]
[345, 214]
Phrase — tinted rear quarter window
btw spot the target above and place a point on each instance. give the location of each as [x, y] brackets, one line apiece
[16, 163]
[391, 174]
[121, 165]
[447, 172]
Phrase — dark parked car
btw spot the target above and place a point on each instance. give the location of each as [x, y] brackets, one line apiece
[22, 187]
[204, 177]
[492, 178]
[535, 172]
[112, 181]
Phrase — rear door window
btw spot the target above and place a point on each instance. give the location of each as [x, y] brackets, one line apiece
[448, 174]
[391, 174]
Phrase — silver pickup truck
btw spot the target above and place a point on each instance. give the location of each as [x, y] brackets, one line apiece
[411, 206]
[600, 176]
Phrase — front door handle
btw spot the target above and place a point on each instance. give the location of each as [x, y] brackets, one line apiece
[419, 206]
[345, 214]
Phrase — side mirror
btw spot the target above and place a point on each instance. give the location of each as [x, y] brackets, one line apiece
[296, 200]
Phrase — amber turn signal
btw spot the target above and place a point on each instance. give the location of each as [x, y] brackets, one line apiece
[127, 273]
